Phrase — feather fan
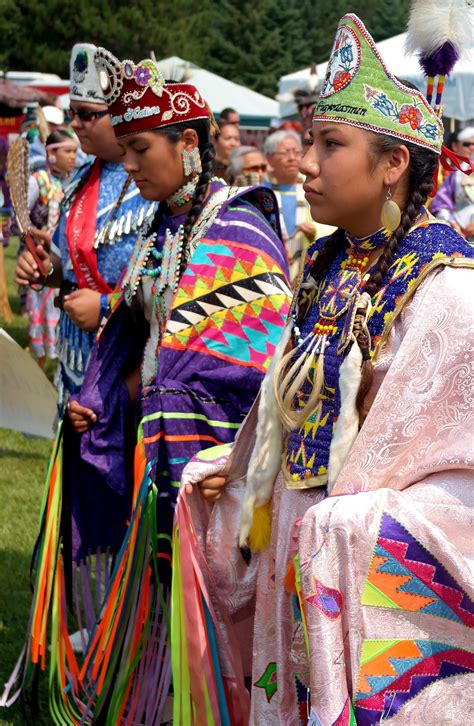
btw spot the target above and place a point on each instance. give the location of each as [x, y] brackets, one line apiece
[18, 175]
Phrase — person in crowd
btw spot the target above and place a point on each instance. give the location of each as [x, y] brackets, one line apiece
[454, 201]
[101, 212]
[229, 116]
[192, 330]
[284, 150]
[54, 117]
[247, 167]
[45, 193]
[332, 544]
[226, 140]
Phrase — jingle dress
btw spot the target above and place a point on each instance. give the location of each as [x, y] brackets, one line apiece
[209, 341]
[337, 622]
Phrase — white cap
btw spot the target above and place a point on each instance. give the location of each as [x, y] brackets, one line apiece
[53, 115]
[85, 85]
[466, 134]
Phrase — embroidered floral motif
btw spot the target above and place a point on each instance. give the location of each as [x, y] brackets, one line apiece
[404, 114]
[410, 115]
[344, 62]
[80, 66]
[147, 74]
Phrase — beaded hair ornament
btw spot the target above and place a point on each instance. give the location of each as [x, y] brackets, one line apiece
[439, 32]
[359, 90]
[139, 98]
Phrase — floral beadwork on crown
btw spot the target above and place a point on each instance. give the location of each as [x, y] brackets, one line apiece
[360, 91]
[80, 66]
[343, 64]
[406, 113]
[135, 92]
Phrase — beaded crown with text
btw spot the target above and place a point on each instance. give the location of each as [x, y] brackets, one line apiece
[360, 91]
[139, 98]
[85, 85]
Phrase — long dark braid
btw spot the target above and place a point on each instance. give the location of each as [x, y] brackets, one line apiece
[207, 161]
[207, 153]
[420, 184]
[422, 166]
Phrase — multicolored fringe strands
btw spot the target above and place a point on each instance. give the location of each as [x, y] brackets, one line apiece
[47, 552]
[203, 694]
[137, 644]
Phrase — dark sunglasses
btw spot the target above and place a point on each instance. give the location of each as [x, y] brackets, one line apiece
[467, 144]
[84, 115]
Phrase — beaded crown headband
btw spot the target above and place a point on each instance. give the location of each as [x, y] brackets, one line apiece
[85, 85]
[360, 91]
[139, 99]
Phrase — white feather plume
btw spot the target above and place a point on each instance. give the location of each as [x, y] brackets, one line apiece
[435, 22]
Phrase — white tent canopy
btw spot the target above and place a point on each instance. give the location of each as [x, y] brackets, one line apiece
[254, 108]
[458, 96]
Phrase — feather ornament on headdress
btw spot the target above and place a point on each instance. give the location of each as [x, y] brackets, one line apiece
[439, 31]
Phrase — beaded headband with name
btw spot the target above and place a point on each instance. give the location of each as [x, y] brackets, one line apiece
[358, 90]
[139, 98]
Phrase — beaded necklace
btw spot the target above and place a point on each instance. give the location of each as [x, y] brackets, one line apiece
[311, 374]
[332, 303]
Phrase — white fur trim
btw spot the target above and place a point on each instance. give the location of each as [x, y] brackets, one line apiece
[265, 461]
[347, 424]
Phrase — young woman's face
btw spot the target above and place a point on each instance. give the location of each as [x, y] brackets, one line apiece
[65, 159]
[229, 139]
[343, 185]
[155, 164]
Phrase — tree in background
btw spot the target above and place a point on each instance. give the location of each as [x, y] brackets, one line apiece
[252, 43]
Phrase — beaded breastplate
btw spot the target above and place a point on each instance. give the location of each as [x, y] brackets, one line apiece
[331, 305]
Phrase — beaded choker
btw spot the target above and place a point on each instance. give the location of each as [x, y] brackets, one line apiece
[184, 194]
[373, 241]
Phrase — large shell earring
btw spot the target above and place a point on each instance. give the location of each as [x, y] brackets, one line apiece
[391, 213]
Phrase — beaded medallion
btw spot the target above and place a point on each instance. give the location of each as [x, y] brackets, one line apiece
[327, 326]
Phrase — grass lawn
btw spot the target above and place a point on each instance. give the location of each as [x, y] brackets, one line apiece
[23, 464]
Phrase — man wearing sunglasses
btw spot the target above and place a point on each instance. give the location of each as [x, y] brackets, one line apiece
[101, 214]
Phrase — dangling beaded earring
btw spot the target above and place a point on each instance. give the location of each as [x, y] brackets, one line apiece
[391, 213]
[191, 161]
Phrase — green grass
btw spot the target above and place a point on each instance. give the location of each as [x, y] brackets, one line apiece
[23, 464]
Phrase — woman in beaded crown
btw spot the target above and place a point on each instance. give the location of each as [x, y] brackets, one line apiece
[333, 539]
[188, 338]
